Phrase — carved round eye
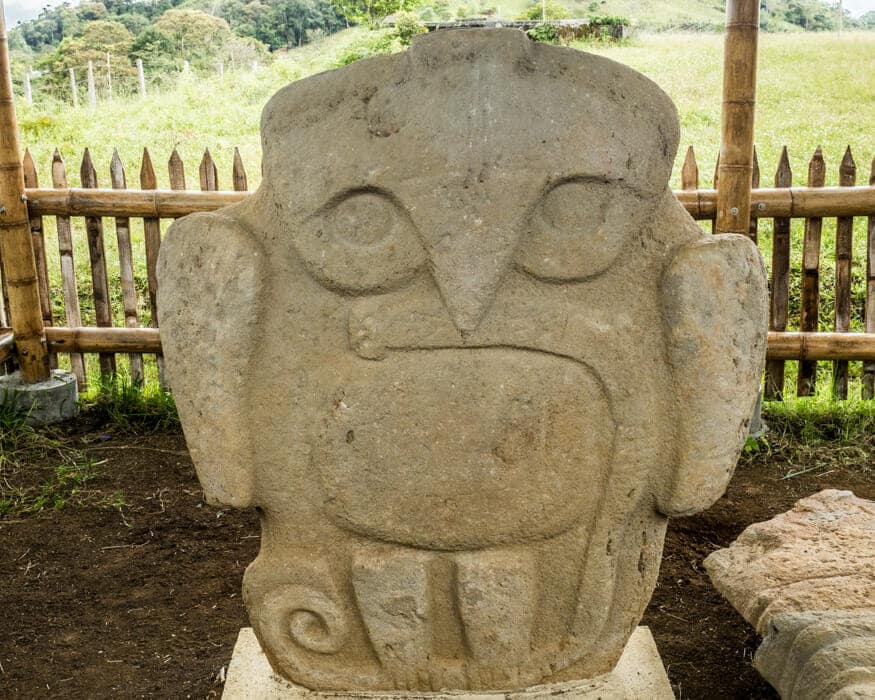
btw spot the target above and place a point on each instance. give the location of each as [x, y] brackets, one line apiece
[576, 231]
[362, 241]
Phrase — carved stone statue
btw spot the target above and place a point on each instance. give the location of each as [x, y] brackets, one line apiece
[465, 353]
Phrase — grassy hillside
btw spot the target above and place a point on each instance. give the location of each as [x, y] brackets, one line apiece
[813, 90]
[647, 12]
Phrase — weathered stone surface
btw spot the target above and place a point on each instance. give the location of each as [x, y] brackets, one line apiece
[819, 655]
[52, 401]
[818, 556]
[638, 675]
[465, 352]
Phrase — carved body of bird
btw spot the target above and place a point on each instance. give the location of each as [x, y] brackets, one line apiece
[466, 353]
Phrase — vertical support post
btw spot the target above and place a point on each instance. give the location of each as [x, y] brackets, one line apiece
[73, 90]
[108, 76]
[16, 248]
[220, 69]
[92, 94]
[28, 90]
[739, 97]
[141, 77]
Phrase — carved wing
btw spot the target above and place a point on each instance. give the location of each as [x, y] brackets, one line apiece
[714, 300]
[209, 274]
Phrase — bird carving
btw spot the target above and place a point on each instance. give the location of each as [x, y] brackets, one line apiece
[465, 353]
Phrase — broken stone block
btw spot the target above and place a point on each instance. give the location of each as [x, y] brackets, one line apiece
[820, 654]
[820, 555]
[465, 352]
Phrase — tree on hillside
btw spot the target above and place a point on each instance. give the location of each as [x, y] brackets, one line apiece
[97, 40]
[91, 11]
[197, 37]
[157, 51]
[867, 21]
[51, 26]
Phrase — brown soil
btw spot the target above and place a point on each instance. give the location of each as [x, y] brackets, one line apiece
[94, 607]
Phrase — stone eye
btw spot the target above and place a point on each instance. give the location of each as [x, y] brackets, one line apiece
[361, 241]
[575, 231]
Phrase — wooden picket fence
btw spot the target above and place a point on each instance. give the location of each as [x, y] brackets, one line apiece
[783, 202]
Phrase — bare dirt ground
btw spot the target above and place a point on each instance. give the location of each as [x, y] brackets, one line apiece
[132, 588]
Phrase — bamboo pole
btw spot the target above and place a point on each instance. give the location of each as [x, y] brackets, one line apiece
[126, 265]
[869, 367]
[736, 138]
[792, 202]
[7, 347]
[105, 340]
[783, 346]
[810, 313]
[152, 233]
[99, 277]
[844, 254]
[821, 346]
[68, 271]
[16, 248]
[780, 283]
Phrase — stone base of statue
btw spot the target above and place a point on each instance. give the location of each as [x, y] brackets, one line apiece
[638, 674]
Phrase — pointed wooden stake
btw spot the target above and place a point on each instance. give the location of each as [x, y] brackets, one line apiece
[753, 230]
[68, 271]
[810, 314]
[176, 170]
[39, 251]
[126, 265]
[209, 174]
[780, 284]
[152, 232]
[238, 172]
[869, 367]
[97, 254]
[844, 259]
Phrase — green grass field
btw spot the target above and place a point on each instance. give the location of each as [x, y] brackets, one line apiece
[814, 89]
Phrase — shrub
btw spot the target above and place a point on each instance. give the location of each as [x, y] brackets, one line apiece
[407, 26]
[545, 33]
[374, 44]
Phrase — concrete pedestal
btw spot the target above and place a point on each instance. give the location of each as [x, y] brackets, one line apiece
[639, 675]
[51, 401]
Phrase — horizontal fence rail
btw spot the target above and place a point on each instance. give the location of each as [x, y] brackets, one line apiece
[80, 213]
[781, 346]
[793, 202]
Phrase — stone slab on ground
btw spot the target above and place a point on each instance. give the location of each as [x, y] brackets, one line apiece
[52, 401]
[820, 654]
[638, 674]
[820, 555]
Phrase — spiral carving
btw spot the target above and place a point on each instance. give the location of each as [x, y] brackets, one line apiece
[305, 617]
